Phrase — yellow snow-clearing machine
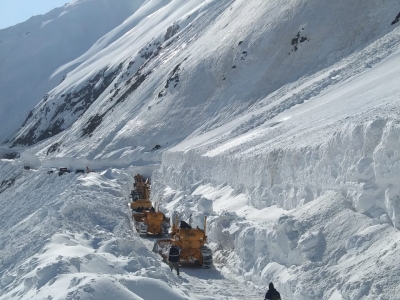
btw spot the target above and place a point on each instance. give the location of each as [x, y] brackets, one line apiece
[141, 194]
[146, 220]
[151, 223]
[191, 242]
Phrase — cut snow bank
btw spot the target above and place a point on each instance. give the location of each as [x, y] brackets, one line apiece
[361, 161]
[321, 250]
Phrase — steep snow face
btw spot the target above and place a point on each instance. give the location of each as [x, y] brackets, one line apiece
[345, 137]
[31, 52]
[120, 64]
[188, 60]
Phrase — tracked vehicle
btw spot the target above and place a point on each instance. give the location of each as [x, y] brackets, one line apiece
[146, 220]
[151, 223]
[140, 195]
[191, 242]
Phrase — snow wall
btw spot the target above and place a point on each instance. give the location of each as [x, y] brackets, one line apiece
[361, 162]
[342, 208]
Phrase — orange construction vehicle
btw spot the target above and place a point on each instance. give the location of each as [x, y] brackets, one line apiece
[146, 220]
[140, 195]
[151, 223]
[191, 242]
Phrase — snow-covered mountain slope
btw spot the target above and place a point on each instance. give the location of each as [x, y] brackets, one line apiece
[225, 57]
[33, 54]
[276, 119]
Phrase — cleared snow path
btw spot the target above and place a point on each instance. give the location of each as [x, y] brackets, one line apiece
[215, 283]
[68, 237]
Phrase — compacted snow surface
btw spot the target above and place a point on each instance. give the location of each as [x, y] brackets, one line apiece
[277, 120]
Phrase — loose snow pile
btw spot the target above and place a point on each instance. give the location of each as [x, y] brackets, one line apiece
[69, 237]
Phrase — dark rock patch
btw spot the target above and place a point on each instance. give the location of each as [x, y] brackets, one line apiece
[27, 118]
[138, 80]
[298, 40]
[172, 79]
[156, 147]
[11, 155]
[76, 102]
[5, 184]
[95, 121]
[53, 148]
[81, 100]
[149, 50]
[295, 41]
[27, 138]
[171, 31]
[54, 129]
[397, 19]
[244, 55]
[162, 93]
[92, 124]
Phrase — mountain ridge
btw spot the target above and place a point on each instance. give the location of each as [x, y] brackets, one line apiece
[31, 51]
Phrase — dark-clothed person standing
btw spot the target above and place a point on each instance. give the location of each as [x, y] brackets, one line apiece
[272, 293]
[173, 258]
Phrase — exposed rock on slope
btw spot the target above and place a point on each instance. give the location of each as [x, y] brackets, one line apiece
[32, 64]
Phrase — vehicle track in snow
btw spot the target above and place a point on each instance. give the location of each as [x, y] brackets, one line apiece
[215, 283]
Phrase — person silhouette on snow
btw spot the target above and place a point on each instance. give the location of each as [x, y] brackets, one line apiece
[272, 293]
[173, 258]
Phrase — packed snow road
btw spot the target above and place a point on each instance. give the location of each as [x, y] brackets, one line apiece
[216, 283]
